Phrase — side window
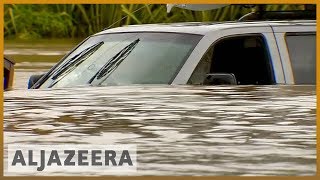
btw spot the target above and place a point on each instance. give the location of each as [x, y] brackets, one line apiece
[302, 52]
[244, 57]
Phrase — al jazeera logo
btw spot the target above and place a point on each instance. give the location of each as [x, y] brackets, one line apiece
[71, 158]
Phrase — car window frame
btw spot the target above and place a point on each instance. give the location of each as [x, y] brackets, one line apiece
[293, 27]
[261, 35]
[286, 34]
[213, 36]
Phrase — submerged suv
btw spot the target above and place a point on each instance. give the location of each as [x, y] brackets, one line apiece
[262, 52]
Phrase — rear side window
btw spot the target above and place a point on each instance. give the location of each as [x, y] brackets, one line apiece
[302, 52]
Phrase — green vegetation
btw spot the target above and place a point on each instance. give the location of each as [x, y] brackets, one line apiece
[80, 20]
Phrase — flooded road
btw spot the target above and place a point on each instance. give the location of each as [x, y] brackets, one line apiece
[178, 130]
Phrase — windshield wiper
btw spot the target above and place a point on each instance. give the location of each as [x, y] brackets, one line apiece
[77, 60]
[74, 62]
[114, 62]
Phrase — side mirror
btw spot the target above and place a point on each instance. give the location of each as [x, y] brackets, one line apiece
[220, 79]
[33, 79]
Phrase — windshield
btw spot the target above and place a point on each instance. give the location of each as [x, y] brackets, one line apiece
[124, 59]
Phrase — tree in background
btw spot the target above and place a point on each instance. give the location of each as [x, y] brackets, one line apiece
[80, 20]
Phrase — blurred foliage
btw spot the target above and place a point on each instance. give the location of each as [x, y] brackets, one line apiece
[80, 20]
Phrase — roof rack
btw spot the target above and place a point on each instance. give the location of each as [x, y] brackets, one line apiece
[260, 14]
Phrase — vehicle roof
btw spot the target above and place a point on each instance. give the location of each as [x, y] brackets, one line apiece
[203, 28]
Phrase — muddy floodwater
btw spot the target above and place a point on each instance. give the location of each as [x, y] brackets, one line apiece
[178, 130]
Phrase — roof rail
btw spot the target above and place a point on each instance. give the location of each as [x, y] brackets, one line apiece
[260, 14]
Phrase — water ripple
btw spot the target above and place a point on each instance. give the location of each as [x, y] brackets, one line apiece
[179, 130]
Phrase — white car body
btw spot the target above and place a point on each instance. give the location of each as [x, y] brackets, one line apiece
[273, 32]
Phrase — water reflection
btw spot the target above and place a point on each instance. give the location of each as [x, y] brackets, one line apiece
[179, 130]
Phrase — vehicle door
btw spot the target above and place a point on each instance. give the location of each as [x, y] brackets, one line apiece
[227, 32]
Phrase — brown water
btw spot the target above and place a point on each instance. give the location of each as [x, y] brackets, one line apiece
[178, 130]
